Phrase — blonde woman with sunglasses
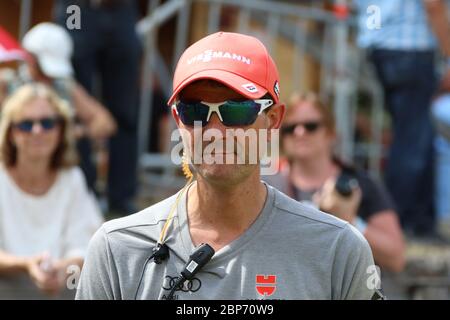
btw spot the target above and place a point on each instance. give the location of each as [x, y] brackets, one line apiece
[47, 215]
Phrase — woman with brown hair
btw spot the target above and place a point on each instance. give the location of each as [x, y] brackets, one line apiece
[311, 174]
[47, 215]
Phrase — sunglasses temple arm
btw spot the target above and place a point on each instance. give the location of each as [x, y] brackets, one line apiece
[264, 105]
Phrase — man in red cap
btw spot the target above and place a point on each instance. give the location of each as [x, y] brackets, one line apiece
[267, 246]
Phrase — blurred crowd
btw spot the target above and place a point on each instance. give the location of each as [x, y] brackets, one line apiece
[77, 92]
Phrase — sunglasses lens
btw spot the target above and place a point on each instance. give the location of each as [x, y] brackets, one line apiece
[25, 126]
[45, 123]
[191, 112]
[311, 126]
[234, 113]
[239, 113]
[48, 123]
[288, 129]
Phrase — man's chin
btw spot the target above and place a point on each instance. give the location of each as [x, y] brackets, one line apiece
[224, 174]
[217, 170]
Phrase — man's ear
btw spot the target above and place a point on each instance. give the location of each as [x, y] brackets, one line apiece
[175, 116]
[275, 116]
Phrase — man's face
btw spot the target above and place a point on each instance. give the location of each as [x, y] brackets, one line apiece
[222, 165]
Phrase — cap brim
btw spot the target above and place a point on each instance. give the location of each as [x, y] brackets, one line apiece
[239, 84]
[55, 68]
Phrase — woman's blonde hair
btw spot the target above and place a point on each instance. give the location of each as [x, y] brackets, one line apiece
[65, 155]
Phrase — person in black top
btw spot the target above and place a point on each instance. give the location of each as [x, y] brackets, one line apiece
[107, 46]
[313, 175]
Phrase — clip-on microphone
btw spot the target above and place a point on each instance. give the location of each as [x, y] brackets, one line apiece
[201, 256]
[160, 253]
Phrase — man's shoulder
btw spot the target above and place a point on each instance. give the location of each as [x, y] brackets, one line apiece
[151, 216]
[305, 214]
[310, 224]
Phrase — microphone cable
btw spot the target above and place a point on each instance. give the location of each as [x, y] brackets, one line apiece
[161, 251]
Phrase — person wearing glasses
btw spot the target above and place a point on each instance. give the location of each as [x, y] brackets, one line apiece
[267, 245]
[49, 49]
[47, 215]
[312, 174]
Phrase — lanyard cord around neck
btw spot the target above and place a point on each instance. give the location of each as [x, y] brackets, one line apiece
[187, 172]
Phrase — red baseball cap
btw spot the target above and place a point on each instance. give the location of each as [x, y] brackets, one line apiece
[238, 61]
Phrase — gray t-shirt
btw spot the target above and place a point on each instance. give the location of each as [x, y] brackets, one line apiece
[290, 252]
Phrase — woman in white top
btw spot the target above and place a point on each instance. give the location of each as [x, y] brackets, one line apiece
[47, 215]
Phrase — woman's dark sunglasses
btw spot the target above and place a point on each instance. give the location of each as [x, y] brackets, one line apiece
[230, 113]
[310, 127]
[45, 123]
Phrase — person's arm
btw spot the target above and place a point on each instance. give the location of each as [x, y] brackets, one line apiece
[63, 267]
[382, 231]
[3, 92]
[84, 219]
[99, 121]
[437, 13]
[11, 264]
[330, 201]
[385, 237]
[8, 78]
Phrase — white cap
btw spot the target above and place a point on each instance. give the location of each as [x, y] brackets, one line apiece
[53, 47]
